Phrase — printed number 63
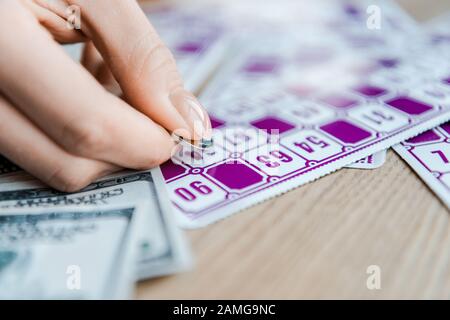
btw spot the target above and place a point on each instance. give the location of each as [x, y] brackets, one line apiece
[283, 157]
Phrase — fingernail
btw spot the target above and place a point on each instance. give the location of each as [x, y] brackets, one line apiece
[193, 113]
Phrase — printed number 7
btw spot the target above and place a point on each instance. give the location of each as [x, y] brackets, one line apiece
[441, 155]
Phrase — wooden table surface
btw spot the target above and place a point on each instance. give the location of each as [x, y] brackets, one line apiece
[318, 240]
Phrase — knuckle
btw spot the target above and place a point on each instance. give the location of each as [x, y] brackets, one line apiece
[159, 55]
[147, 163]
[66, 179]
[85, 138]
[158, 157]
[174, 81]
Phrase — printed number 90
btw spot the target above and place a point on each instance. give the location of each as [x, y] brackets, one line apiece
[196, 188]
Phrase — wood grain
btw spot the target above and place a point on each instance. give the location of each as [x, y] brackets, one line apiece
[318, 240]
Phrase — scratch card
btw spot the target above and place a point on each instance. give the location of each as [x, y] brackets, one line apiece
[296, 105]
[373, 161]
[429, 153]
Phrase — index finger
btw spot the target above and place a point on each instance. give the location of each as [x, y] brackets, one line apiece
[143, 65]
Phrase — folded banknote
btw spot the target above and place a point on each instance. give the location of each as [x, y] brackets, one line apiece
[162, 247]
[69, 253]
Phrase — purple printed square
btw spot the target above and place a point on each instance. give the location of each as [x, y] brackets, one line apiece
[346, 131]
[370, 91]
[427, 136]
[339, 101]
[409, 105]
[273, 125]
[189, 47]
[235, 175]
[171, 170]
[216, 123]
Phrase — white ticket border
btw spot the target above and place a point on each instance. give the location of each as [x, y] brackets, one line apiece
[183, 259]
[181, 247]
[379, 159]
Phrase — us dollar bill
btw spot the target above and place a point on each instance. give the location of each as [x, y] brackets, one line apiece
[10, 173]
[162, 247]
[7, 167]
[69, 253]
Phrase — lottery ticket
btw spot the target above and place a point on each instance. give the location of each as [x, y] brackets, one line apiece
[373, 161]
[197, 39]
[288, 110]
[429, 153]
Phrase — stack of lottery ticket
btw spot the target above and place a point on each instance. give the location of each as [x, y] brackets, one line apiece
[298, 100]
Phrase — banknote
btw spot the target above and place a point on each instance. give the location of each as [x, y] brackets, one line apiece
[162, 247]
[69, 253]
[9, 172]
[7, 167]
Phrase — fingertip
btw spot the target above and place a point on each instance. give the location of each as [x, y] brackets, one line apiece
[194, 114]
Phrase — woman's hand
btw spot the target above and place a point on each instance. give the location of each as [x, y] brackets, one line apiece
[58, 122]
